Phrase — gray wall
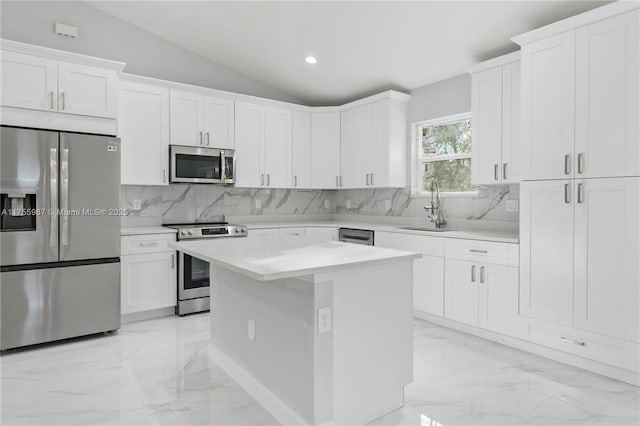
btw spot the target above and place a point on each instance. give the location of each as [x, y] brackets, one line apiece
[104, 36]
[446, 97]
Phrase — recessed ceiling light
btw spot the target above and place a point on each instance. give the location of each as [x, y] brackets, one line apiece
[310, 59]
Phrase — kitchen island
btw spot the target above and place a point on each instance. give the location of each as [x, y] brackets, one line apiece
[317, 333]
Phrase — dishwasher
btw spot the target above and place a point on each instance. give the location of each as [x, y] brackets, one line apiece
[355, 236]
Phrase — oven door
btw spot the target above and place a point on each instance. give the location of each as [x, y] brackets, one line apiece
[193, 277]
[196, 165]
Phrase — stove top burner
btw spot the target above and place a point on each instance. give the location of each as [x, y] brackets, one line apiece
[190, 231]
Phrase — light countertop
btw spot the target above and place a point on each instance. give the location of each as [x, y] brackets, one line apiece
[146, 230]
[273, 258]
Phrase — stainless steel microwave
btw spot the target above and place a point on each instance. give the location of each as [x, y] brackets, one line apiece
[190, 164]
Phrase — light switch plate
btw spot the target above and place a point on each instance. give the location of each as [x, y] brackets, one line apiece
[326, 204]
[324, 320]
[513, 206]
[387, 204]
[258, 204]
[137, 205]
[348, 204]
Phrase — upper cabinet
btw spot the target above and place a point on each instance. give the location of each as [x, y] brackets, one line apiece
[263, 146]
[143, 126]
[580, 99]
[325, 150]
[301, 149]
[46, 84]
[199, 120]
[495, 110]
[373, 144]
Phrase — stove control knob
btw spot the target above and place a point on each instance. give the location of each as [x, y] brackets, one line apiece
[183, 232]
[190, 232]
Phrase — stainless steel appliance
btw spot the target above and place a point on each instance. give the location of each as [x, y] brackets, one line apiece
[193, 273]
[190, 164]
[60, 235]
[356, 236]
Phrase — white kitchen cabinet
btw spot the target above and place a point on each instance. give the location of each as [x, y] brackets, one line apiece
[355, 146]
[46, 84]
[321, 234]
[325, 150]
[495, 109]
[607, 257]
[301, 149]
[148, 273]
[461, 291]
[263, 146]
[428, 271]
[606, 107]
[546, 250]
[199, 120]
[143, 126]
[29, 81]
[580, 101]
[498, 298]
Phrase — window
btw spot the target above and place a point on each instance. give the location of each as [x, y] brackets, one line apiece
[444, 154]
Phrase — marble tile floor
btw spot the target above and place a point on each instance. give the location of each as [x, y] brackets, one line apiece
[157, 372]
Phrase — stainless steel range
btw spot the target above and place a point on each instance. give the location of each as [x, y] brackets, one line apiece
[193, 273]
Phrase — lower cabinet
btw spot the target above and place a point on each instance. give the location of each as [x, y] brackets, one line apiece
[148, 273]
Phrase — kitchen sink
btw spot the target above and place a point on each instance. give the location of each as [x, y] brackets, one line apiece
[417, 228]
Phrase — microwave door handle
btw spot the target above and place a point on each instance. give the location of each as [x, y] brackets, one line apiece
[223, 167]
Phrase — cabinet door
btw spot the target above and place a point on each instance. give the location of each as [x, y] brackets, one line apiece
[486, 110]
[510, 123]
[148, 282]
[186, 118]
[325, 149]
[546, 251]
[143, 126]
[498, 307]
[249, 129]
[461, 291]
[607, 267]
[355, 147]
[86, 90]
[219, 123]
[301, 149]
[607, 98]
[548, 89]
[321, 235]
[29, 82]
[428, 285]
[277, 147]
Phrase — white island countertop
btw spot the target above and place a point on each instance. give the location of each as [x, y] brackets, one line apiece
[266, 259]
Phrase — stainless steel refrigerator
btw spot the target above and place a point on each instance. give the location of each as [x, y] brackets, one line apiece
[60, 235]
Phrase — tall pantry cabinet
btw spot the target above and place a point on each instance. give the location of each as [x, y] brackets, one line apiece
[580, 191]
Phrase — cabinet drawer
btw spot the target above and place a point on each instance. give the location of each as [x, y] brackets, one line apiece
[433, 246]
[154, 243]
[482, 251]
[587, 345]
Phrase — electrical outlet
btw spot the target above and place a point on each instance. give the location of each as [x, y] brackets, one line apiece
[513, 206]
[326, 204]
[387, 204]
[251, 329]
[348, 204]
[137, 205]
[258, 204]
[324, 320]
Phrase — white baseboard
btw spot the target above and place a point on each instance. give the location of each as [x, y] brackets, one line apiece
[274, 405]
[146, 315]
[543, 351]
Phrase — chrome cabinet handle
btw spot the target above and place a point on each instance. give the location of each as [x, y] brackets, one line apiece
[149, 244]
[504, 170]
[295, 180]
[268, 179]
[51, 99]
[337, 182]
[478, 251]
[573, 342]
[495, 172]
[173, 261]
[340, 181]
[200, 138]
[567, 164]
[53, 202]
[208, 139]
[64, 196]
[567, 194]
[164, 175]
[580, 193]
[62, 99]
[580, 163]
[473, 273]
[367, 179]
[371, 179]
[482, 275]
[262, 179]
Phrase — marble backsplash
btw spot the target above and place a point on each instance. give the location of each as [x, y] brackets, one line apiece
[209, 203]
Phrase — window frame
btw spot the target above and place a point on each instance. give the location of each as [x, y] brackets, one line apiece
[417, 161]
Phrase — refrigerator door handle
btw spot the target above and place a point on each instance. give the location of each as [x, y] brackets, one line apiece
[64, 196]
[53, 202]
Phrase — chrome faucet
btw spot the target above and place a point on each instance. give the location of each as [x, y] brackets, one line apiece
[434, 212]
